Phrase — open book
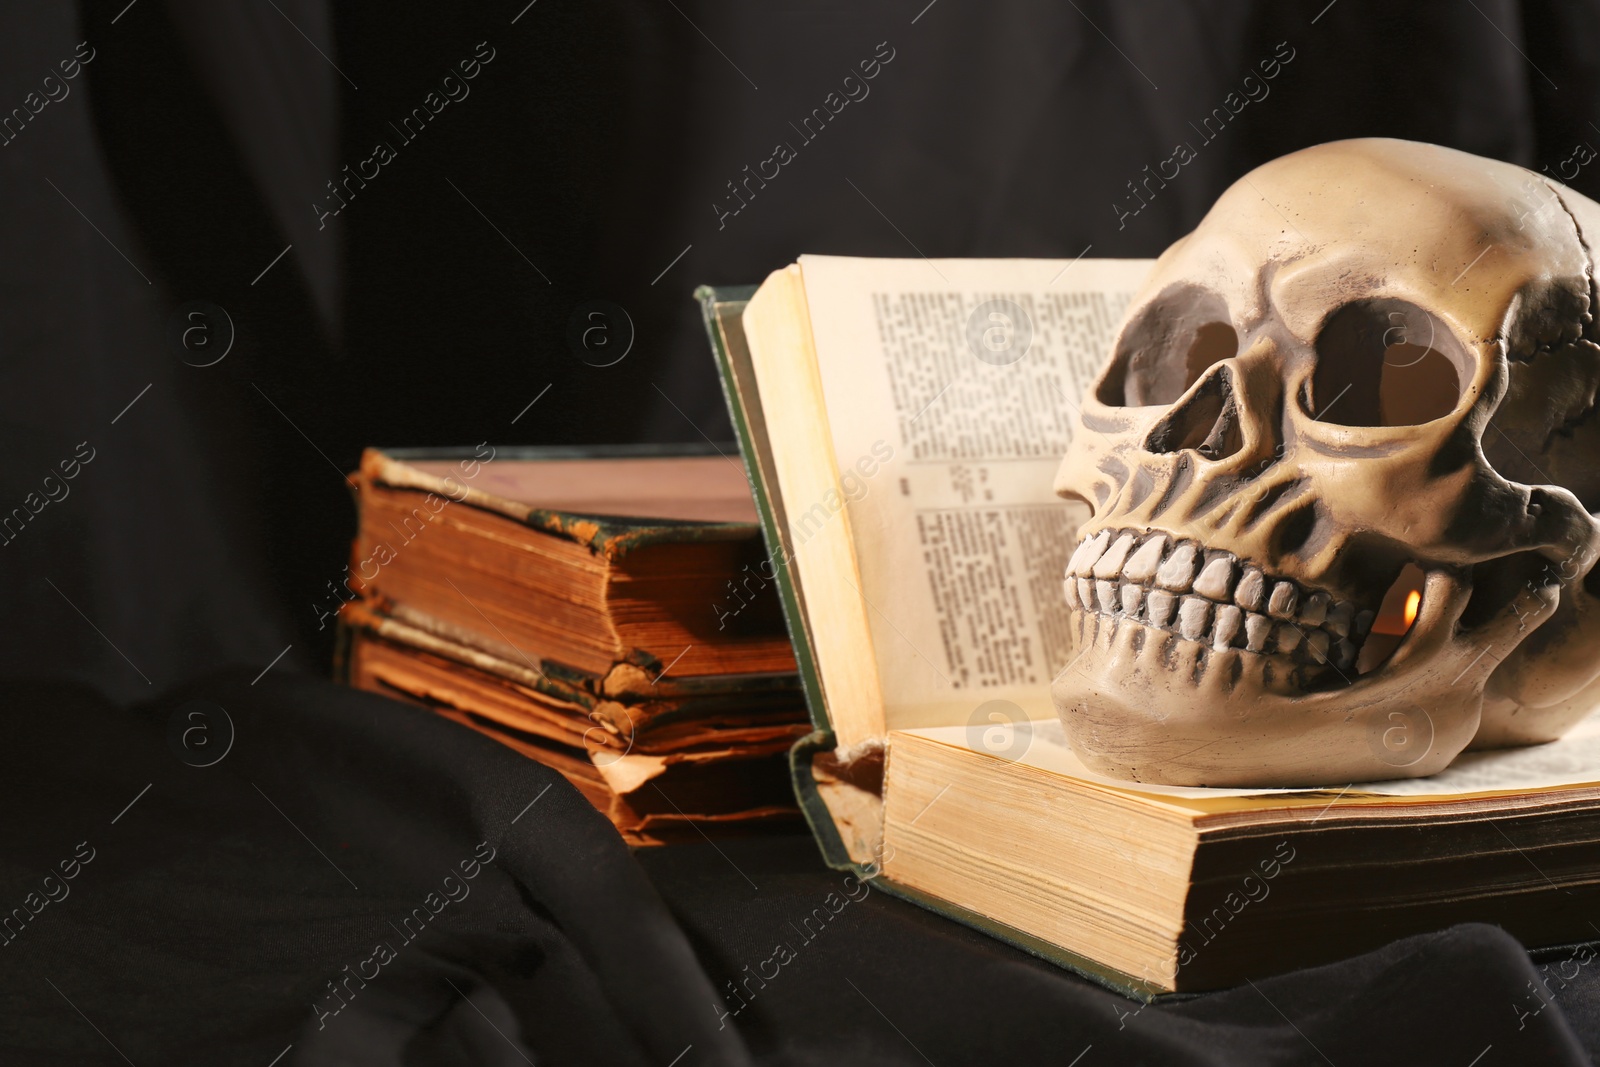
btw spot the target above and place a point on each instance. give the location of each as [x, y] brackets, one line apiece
[901, 423]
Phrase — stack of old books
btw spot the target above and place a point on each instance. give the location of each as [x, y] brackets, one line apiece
[612, 615]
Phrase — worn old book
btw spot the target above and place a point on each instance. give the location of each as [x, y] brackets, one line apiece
[901, 422]
[601, 612]
[662, 763]
[594, 560]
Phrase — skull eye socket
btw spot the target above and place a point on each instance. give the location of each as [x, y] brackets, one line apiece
[1385, 363]
[1165, 349]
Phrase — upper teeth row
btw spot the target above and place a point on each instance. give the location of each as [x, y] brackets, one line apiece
[1122, 571]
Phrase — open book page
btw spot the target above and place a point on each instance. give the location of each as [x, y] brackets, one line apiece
[951, 389]
[1572, 760]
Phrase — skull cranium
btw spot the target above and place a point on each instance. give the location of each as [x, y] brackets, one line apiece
[1341, 464]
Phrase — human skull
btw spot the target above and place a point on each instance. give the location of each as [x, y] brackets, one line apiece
[1362, 391]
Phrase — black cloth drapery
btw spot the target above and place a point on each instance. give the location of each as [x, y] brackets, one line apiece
[221, 899]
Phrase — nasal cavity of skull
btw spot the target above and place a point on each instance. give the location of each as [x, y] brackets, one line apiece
[1207, 422]
[1384, 363]
[1167, 346]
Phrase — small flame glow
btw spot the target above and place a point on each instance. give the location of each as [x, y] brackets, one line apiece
[1413, 601]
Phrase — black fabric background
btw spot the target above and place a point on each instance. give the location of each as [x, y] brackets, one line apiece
[204, 534]
[220, 901]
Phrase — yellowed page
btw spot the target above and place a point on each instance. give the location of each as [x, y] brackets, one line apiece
[778, 330]
[1574, 759]
[951, 390]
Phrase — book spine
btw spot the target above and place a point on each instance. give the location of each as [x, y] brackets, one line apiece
[812, 806]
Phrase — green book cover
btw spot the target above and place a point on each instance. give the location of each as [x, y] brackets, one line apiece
[722, 308]
[612, 536]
